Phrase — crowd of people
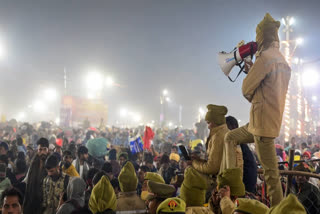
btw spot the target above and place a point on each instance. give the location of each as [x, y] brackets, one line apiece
[45, 169]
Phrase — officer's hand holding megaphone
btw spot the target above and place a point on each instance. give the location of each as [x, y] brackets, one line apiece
[241, 54]
[248, 64]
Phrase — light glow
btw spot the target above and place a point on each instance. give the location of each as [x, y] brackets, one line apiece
[109, 82]
[314, 98]
[123, 112]
[39, 107]
[299, 41]
[94, 81]
[50, 94]
[165, 92]
[310, 78]
[292, 21]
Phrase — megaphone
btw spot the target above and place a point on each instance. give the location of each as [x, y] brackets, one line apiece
[236, 57]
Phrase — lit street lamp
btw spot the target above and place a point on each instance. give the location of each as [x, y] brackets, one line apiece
[109, 82]
[163, 98]
[50, 94]
[201, 113]
[310, 78]
[299, 41]
[21, 116]
[123, 112]
[314, 98]
[2, 50]
[39, 107]
[94, 81]
[136, 118]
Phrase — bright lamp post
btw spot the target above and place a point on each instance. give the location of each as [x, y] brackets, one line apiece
[164, 98]
[2, 50]
[201, 113]
[21, 116]
[50, 94]
[96, 81]
[109, 82]
[124, 116]
[39, 107]
[310, 78]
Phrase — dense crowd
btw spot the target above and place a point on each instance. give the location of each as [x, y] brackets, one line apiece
[46, 169]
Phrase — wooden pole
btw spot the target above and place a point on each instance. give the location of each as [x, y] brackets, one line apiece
[295, 173]
[289, 180]
[300, 161]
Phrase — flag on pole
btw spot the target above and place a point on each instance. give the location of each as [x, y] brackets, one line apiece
[136, 144]
[148, 136]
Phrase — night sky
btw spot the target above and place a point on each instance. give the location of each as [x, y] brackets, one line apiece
[145, 45]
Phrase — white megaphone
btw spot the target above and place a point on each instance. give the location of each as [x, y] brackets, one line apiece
[228, 60]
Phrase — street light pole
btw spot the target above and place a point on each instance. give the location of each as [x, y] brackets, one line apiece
[163, 99]
[161, 111]
[180, 116]
[65, 81]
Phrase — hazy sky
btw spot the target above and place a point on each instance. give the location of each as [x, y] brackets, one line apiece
[145, 45]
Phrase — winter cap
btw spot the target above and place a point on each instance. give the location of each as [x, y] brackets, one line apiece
[172, 205]
[232, 178]
[159, 190]
[175, 157]
[193, 189]
[102, 197]
[267, 32]
[307, 153]
[154, 177]
[216, 114]
[124, 154]
[290, 204]
[251, 206]
[128, 180]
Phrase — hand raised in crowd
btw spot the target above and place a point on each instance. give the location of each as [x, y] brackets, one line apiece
[215, 198]
[195, 156]
[224, 191]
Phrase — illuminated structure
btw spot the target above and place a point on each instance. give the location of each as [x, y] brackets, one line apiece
[297, 120]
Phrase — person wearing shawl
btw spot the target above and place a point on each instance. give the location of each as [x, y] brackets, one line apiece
[75, 194]
[34, 179]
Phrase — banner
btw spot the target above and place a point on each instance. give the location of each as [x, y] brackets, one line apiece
[136, 144]
[76, 110]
